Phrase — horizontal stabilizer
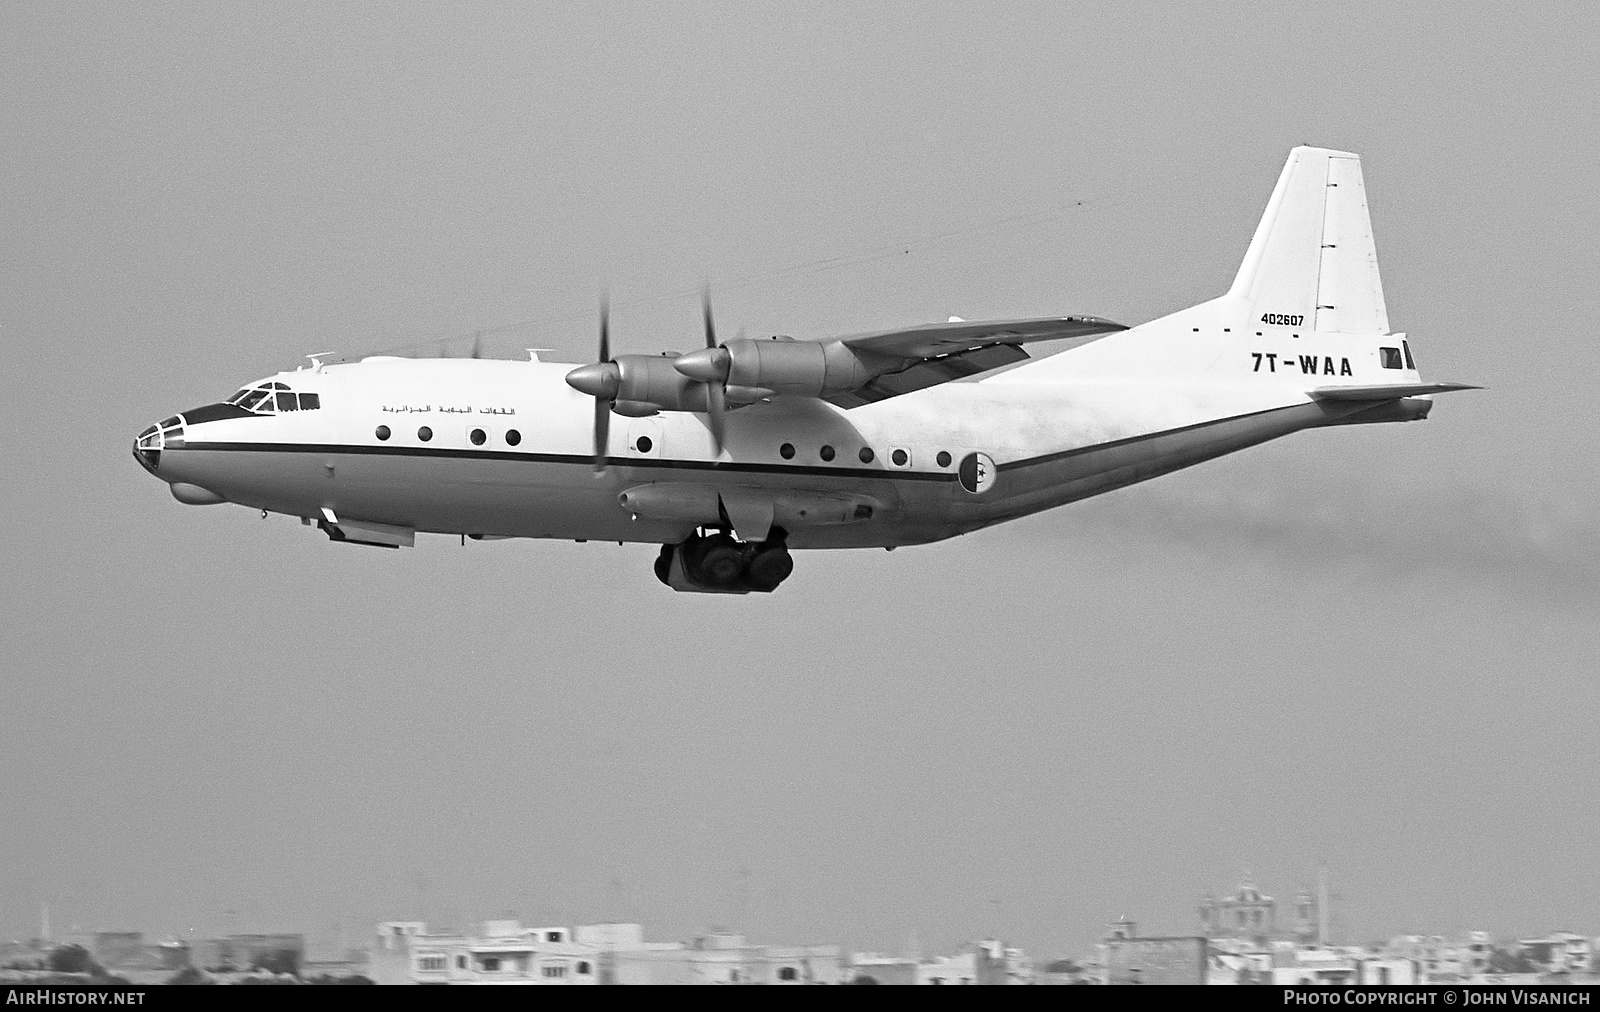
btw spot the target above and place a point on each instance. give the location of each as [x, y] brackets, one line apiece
[1387, 391]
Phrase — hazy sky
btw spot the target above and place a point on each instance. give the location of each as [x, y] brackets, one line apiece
[1373, 647]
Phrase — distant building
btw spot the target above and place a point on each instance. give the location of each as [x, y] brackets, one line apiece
[1305, 922]
[500, 952]
[724, 958]
[1560, 952]
[1000, 964]
[881, 969]
[1248, 913]
[1340, 965]
[987, 962]
[1126, 957]
[243, 952]
[960, 969]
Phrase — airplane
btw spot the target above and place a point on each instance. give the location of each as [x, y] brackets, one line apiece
[732, 456]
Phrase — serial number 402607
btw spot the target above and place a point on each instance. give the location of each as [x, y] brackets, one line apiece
[1280, 320]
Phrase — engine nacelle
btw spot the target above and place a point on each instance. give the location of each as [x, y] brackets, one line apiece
[651, 379]
[802, 368]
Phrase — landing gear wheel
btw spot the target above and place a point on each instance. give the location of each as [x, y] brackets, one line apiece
[716, 560]
[664, 564]
[770, 567]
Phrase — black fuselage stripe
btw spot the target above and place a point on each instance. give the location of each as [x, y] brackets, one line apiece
[732, 467]
[723, 466]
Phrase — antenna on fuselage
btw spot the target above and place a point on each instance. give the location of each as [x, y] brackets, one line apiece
[533, 353]
[316, 358]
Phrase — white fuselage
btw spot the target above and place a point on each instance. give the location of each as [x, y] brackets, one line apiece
[1121, 409]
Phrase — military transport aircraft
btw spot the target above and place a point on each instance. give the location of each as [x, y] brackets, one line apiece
[731, 456]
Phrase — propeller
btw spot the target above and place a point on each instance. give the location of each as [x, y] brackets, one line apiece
[717, 388]
[601, 381]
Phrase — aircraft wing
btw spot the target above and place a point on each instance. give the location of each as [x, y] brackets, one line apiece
[937, 353]
[933, 340]
[1387, 391]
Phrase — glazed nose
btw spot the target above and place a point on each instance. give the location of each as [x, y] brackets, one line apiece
[147, 445]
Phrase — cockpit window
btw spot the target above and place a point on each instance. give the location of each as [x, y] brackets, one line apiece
[268, 398]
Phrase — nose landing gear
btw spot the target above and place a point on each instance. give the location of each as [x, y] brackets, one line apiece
[717, 564]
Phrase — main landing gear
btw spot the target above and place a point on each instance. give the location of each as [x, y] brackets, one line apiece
[715, 563]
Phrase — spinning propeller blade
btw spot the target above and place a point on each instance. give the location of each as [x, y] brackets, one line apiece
[600, 380]
[716, 387]
[602, 406]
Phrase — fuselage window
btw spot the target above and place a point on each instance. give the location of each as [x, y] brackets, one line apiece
[310, 402]
[382, 432]
[1389, 358]
[424, 433]
[513, 437]
[943, 458]
[286, 402]
[826, 453]
[866, 455]
[477, 437]
[786, 451]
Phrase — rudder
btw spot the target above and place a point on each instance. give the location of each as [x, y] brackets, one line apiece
[1313, 260]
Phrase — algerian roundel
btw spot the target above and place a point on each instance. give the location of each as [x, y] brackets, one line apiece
[977, 473]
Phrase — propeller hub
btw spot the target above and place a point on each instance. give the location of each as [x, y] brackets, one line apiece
[708, 365]
[602, 380]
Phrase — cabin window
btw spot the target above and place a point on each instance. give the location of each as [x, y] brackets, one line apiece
[251, 398]
[788, 973]
[477, 437]
[826, 453]
[491, 963]
[786, 451]
[513, 437]
[1390, 358]
[1406, 347]
[424, 433]
[382, 432]
[943, 458]
[287, 402]
[900, 457]
[310, 402]
[866, 455]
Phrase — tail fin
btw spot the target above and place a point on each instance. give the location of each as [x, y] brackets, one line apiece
[1313, 258]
